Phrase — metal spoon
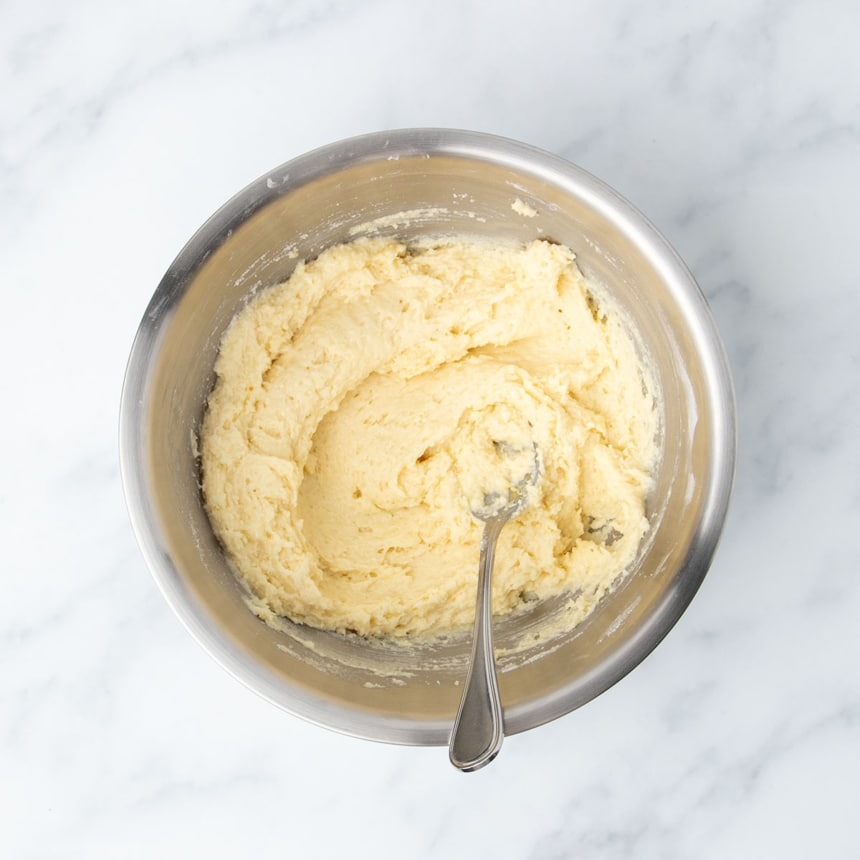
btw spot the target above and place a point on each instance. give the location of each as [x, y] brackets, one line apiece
[478, 728]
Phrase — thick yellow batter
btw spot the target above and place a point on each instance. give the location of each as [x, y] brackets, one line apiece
[357, 415]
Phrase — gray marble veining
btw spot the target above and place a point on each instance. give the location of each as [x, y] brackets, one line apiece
[735, 126]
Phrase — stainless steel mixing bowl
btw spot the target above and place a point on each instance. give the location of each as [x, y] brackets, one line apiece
[449, 182]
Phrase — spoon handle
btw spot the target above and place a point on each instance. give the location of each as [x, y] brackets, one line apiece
[478, 730]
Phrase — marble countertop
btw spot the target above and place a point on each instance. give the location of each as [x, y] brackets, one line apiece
[734, 125]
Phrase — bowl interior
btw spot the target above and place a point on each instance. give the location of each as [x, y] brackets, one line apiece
[446, 183]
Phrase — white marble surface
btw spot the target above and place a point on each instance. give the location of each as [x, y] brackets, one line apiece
[735, 125]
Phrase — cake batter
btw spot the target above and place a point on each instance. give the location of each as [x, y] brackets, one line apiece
[358, 414]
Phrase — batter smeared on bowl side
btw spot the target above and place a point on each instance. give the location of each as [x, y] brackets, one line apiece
[356, 410]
